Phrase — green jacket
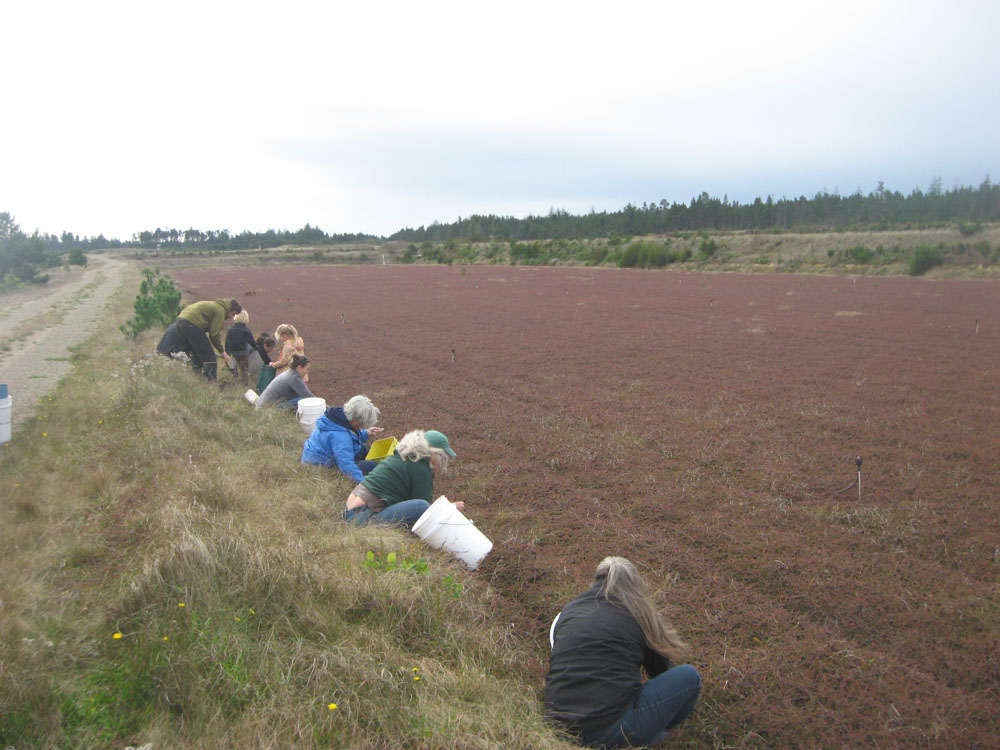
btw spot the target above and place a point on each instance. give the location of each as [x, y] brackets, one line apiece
[396, 480]
[209, 316]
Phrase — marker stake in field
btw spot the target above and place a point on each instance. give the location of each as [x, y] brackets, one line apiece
[857, 462]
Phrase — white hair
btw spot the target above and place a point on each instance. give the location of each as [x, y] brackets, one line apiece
[414, 446]
[362, 409]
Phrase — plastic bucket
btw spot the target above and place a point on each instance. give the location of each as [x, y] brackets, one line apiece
[309, 410]
[5, 405]
[381, 449]
[251, 396]
[443, 526]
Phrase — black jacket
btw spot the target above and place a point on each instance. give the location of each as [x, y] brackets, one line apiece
[240, 340]
[594, 668]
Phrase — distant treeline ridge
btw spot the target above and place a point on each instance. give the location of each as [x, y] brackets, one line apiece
[880, 209]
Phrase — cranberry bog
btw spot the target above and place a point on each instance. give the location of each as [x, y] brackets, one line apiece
[702, 425]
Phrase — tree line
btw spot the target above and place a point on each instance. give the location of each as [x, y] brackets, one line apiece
[222, 239]
[24, 257]
[879, 209]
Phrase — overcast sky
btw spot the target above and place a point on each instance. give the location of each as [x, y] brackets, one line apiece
[369, 117]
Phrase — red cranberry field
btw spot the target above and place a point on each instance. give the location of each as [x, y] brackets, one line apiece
[702, 425]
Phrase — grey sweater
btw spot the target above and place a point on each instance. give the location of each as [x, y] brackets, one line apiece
[284, 387]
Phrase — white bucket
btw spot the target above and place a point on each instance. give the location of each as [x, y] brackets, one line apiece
[251, 396]
[309, 410]
[444, 525]
[5, 405]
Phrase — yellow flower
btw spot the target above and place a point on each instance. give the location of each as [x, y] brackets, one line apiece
[332, 706]
[166, 638]
[252, 612]
[180, 604]
[236, 618]
[45, 434]
[416, 677]
[116, 636]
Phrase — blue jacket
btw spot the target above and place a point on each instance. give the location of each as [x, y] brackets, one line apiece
[334, 442]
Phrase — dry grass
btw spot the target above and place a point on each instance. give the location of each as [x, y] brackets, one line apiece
[146, 503]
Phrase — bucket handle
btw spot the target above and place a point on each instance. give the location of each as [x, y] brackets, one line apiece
[450, 523]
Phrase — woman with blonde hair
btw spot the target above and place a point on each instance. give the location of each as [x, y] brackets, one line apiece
[399, 489]
[239, 345]
[290, 344]
[601, 642]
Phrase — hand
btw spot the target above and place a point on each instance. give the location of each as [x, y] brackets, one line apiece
[375, 430]
[460, 505]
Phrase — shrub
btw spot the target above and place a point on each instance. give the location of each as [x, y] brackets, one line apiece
[156, 304]
[968, 229]
[646, 254]
[707, 248]
[924, 258]
[860, 254]
[76, 257]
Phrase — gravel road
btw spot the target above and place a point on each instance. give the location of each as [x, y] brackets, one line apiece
[38, 327]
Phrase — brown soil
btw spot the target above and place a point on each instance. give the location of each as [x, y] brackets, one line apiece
[701, 425]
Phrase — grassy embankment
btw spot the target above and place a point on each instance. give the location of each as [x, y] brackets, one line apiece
[173, 575]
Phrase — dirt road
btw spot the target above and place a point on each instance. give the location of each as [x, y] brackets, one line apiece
[38, 327]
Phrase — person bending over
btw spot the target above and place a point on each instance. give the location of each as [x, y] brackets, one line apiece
[200, 325]
[286, 390]
[399, 489]
[601, 642]
[339, 438]
[261, 355]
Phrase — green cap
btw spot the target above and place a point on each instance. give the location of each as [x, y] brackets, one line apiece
[437, 439]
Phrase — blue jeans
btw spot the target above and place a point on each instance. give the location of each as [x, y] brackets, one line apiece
[662, 703]
[365, 465]
[291, 404]
[405, 513]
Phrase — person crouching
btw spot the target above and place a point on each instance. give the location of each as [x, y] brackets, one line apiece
[288, 388]
[400, 488]
[339, 438]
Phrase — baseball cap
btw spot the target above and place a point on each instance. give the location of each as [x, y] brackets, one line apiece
[437, 439]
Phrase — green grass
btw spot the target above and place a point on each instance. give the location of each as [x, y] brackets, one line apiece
[154, 490]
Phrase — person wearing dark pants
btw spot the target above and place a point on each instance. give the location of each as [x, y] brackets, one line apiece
[240, 343]
[200, 325]
[601, 642]
[172, 343]
[340, 438]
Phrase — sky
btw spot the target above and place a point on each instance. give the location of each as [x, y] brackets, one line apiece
[119, 117]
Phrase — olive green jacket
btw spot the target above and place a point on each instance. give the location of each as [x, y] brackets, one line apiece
[209, 316]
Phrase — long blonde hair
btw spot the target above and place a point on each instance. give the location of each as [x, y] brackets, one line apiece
[285, 328]
[621, 581]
